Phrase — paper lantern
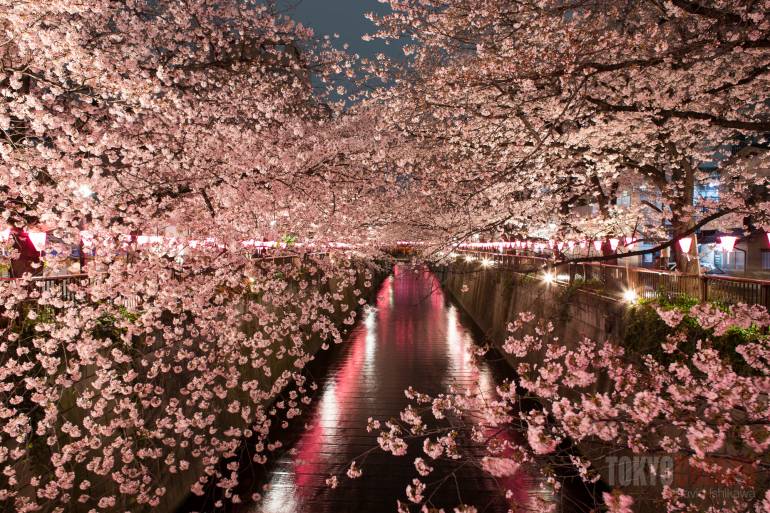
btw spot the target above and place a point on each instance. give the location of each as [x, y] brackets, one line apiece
[614, 244]
[87, 238]
[583, 244]
[559, 245]
[685, 244]
[571, 244]
[598, 245]
[728, 242]
[629, 241]
[38, 239]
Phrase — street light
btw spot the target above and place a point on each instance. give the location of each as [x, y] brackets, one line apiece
[630, 296]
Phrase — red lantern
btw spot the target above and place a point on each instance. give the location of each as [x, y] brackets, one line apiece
[728, 242]
[38, 239]
[685, 244]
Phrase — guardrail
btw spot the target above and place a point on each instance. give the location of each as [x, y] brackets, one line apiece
[618, 281]
[66, 286]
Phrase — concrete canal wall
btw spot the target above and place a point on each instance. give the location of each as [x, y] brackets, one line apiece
[494, 297]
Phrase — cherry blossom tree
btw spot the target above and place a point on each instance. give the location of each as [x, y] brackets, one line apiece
[166, 137]
[569, 104]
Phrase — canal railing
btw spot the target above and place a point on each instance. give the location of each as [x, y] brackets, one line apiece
[633, 282]
[67, 286]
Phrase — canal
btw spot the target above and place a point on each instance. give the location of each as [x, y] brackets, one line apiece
[411, 336]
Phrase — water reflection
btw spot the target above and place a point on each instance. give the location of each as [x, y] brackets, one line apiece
[412, 336]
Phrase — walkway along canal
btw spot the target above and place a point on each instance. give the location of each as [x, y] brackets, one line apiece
[412, 336]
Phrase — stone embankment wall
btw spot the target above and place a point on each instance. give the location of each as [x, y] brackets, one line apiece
[494, 297]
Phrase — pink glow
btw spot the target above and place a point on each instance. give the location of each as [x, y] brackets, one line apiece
[614, 244]
[598, 245]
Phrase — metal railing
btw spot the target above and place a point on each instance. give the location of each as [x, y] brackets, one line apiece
[616, 280]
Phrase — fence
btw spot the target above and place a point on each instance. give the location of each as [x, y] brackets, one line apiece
[622, 281]
[66, 286]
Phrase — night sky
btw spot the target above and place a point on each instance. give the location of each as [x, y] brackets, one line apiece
[346, 18]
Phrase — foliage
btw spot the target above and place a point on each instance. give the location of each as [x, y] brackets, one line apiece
[696, 409]
[218, 124]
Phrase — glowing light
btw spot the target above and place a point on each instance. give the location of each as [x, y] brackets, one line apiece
[630, 296]
[87, 238]
[629, 241]
[469, 258]
[5, 234]
[559, 245]
[84, 191]
[571, 244]
[485, 262]
[598, 245]
[728, 242]
[38, 239]
[548, 277]
[614, 243]
[583, 244]
[685, 244]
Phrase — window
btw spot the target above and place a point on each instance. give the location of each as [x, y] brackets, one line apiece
[766, 259]
[733, 261]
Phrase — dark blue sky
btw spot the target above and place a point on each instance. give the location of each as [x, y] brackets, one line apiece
[346, 18]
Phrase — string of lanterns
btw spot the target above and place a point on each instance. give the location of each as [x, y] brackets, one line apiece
[726, 243]
[40, 240]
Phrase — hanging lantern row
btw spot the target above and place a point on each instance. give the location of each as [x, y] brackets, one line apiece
[727, 243]
[39, 240]
[539, 245]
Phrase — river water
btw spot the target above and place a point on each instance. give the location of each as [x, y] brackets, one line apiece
[412, 335]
